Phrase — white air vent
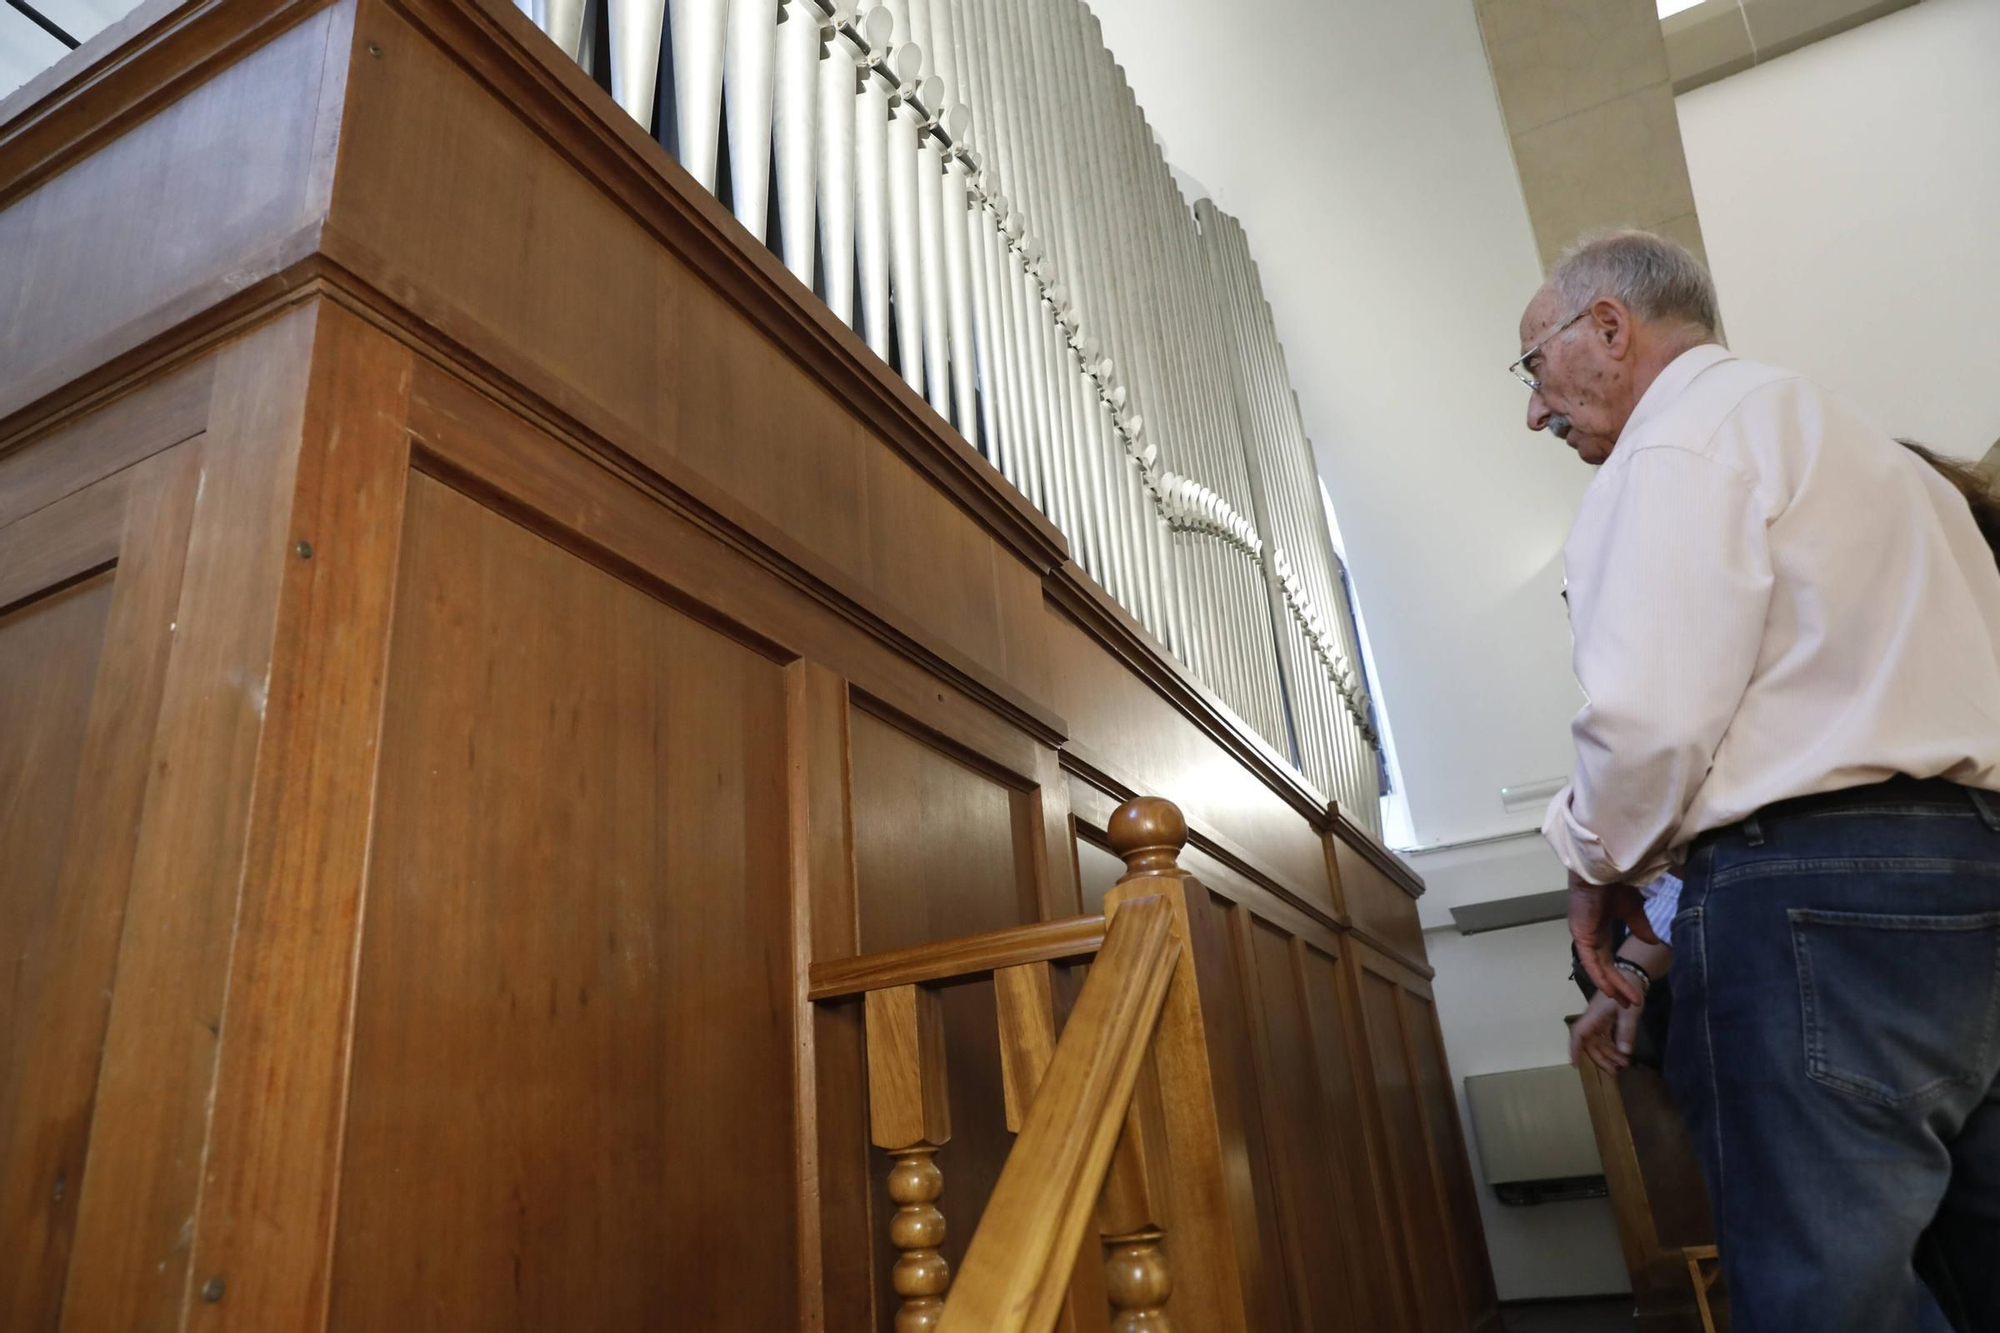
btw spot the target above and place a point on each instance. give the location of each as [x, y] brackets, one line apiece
[1535, 1140]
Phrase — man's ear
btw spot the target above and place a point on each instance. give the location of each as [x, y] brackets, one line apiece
[1611, 324]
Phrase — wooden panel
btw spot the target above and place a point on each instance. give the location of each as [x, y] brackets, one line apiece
[1452, 1166]
[67, 838]
[1308, 1187]
[1378, 906]
[1097, 869]
[1409, 1157]
[48, 657]
[572, 1077]
[62, 542]
[1376, 1283]
[940, 851]
[1260, 1251]
[207, 190]
[938, 843]
[136, 426]
[715, 570]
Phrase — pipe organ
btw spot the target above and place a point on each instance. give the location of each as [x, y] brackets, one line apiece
[596, 607]
[972, 185]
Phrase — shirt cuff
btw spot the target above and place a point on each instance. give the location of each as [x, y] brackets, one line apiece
[1580, 850]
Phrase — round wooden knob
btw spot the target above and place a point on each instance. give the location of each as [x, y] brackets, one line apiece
[1148, 833]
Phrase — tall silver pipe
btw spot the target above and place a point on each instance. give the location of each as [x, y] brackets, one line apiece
[749, 63]
[802, 34]
[960, 286]
[562, 20]
[700, 29]
[930, 182]
[871, 163]
[635, 56]
[839, 87]
[999, 365]
[905, 263]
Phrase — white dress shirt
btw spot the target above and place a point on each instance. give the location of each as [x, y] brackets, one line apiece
[1663, 904]
[1770, 598]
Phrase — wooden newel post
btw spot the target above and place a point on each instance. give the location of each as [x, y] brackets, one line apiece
[909, 1116]
[1167, 1191]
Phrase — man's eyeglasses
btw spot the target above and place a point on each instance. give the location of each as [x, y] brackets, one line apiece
[1520, 371]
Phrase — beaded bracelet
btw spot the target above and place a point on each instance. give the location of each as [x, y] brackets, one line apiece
[1637, 973]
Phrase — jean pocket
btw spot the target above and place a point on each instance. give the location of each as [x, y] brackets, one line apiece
[1898, 1009]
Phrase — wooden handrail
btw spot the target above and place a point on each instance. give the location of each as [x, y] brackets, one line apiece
[1018, 1264]
[1040, 942]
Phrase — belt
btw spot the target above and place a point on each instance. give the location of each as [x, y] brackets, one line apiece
[1899, 790]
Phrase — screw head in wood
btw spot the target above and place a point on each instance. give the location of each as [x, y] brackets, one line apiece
[211, 1290]
[305, 550]
[375, 49]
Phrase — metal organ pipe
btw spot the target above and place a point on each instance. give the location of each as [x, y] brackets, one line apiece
[839, 75]
[801, 35]
[700, 31]
[871, 163]
[993, 213]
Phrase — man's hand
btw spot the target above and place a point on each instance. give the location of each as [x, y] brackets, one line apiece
[1592, 908]
[1604, 1034]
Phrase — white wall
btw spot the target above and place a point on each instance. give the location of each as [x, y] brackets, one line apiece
[1361, 144]
[1850, 199]
[1501, 999]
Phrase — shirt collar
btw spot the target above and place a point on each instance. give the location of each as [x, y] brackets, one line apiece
[1671, 382]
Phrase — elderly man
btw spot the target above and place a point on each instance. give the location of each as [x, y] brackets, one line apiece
[1788, 633]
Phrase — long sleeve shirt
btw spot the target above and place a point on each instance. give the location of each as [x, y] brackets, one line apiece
[1769, 598]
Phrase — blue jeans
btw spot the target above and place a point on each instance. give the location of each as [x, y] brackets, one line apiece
[1835, 1048]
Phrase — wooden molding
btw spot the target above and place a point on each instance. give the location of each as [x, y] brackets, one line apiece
[1384, 860]
[1102, 775]
[1113, 628]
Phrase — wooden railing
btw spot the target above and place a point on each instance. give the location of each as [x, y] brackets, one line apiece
[1116, 1120]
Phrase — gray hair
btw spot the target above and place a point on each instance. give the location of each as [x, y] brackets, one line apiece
[1658, 279]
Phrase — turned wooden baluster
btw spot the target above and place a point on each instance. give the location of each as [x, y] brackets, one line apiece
[910, 1117]
[1130, 1217]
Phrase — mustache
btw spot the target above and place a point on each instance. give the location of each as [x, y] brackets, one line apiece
[1559, 426]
